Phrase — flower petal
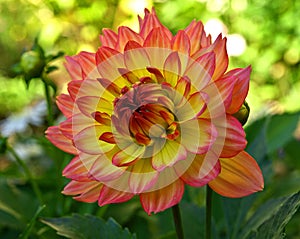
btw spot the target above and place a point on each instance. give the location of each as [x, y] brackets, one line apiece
[102, 168]
[219, 48]
[55, 136]
[157, 38]
[142, 176]
[181, 43]
[198, 135]
[240, 89]
[65, 103]
[202, 170]
[172, 69]
[109, 38]
[170, 153]
[128, 155]
[125, 34]
[239, 177]
[88, 141]
[231, 136]
[150, 22]
[91, 189]
[109, 195]
[91, 104]
[77, 169]
[163, 198]
[196, 33]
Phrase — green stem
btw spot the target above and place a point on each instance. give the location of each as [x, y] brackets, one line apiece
[49, 103]
[208, 212]
[28, 174]
[177, 221]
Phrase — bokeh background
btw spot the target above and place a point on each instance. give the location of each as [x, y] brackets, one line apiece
[262, 33]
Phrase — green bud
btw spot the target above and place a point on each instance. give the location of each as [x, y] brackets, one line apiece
[243, 114]
[32, 64]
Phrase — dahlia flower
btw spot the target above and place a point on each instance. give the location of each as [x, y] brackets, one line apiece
[150, 112]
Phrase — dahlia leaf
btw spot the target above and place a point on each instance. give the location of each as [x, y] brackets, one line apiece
[88, 227]
[271, 218]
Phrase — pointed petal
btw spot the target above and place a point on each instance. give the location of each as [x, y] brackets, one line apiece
[199, 173]
[55, 136]
[91, 195]
[219, 48]
[150, 22]
[65, 103]
[142, 176]
[220, 92]
[172, 69]
[231, 136]
[181, 43]
[109, 195]
[157, 38]
[73, 68]
[163, 198]
[239, 177]
[88, 141]
[78, 188]
[109, 38]
[196, 34]
[125, 34]
[240, 89]
[78, 168]
[170, 153]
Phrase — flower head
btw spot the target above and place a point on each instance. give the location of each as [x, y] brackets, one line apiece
[150, 112]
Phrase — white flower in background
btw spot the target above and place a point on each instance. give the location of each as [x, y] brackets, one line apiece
[18, 122]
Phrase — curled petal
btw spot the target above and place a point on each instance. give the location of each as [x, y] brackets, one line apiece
[55, 136]
[163, 198]
[239, 177]
[172, 68]
[129, 155]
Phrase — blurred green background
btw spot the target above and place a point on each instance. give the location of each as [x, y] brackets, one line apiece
[264, 34]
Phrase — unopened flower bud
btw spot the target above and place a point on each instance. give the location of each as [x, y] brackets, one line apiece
[32, 63]
[243, 113]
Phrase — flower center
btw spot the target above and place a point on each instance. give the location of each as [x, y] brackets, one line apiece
[144, 110]
[152, 121]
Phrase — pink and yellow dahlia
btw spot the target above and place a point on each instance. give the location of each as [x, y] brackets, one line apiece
[150, 112]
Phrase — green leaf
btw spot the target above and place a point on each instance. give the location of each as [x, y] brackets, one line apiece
[271, 218]
[280, 130]
[87, 227]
